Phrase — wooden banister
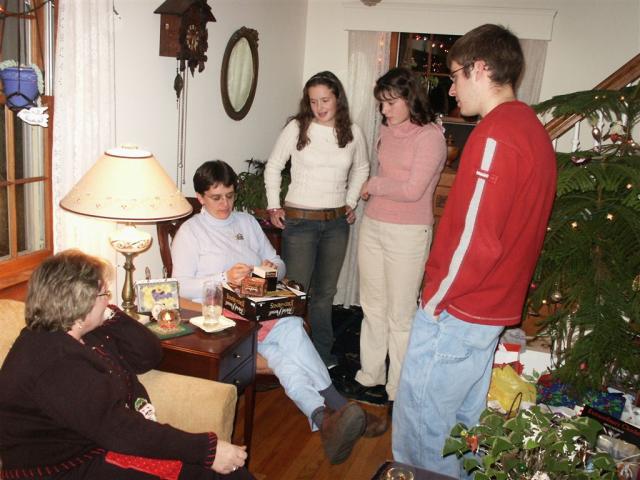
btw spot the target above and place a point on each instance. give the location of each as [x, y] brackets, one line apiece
[626, 74]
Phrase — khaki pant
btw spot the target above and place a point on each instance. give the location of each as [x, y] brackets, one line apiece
[391, 260]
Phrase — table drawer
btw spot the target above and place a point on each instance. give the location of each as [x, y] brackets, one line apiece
[235, 357]
[241, 377]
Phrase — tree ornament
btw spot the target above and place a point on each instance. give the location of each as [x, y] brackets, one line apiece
[596, 134]
[635, 286]
[616, 132]
[556, 297]
[578, 160]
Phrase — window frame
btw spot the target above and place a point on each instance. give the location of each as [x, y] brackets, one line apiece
[16, 268]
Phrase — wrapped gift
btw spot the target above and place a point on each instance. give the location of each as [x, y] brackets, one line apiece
[283, 302]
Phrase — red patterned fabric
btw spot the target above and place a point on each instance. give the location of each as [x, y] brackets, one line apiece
[164, 469]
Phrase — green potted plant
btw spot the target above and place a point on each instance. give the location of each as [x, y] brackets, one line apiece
[252, 196]
[534, 444]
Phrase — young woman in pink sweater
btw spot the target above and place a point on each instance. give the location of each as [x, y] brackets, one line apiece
[395, 234]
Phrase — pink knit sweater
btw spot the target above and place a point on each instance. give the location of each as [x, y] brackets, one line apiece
[411, 158]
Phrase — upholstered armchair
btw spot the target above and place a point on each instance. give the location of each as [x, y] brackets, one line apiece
[189, 403]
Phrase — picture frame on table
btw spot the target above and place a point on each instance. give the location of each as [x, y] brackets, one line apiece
[159, 294]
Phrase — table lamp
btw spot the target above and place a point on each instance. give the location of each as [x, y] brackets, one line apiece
[127, 185]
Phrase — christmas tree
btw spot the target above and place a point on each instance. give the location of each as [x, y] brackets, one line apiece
[589, 270]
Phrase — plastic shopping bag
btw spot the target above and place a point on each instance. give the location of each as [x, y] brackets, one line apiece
[506, 388]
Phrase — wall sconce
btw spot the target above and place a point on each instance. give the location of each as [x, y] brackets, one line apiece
[129, 186]
[370, 3]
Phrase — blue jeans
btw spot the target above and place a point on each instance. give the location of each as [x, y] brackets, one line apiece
[313, 252]
[293, 359]
[445, 379]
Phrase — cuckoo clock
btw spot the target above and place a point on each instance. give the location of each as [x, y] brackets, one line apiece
[183, 31]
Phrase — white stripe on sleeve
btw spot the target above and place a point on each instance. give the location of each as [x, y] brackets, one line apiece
[469, 226]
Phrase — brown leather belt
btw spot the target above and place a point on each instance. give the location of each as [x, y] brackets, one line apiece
[323, 214]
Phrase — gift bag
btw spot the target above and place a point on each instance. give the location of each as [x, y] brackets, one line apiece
[507, 385]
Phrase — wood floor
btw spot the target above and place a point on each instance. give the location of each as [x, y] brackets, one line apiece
[284, 448]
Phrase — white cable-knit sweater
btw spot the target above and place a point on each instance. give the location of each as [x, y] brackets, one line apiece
[322, 174]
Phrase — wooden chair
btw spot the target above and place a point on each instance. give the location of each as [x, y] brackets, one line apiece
[166, 232]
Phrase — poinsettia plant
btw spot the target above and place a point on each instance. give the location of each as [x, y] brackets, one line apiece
[534, 445]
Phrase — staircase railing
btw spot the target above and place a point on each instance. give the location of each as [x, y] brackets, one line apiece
[625, 75]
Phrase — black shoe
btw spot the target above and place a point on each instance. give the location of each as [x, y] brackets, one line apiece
[373, 395]
[345, 383]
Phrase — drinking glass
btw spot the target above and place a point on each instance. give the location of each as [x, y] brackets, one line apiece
[211, 302]
[399, 473]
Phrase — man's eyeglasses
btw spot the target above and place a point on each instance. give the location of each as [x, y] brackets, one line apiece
[452, 75]
[106, 293]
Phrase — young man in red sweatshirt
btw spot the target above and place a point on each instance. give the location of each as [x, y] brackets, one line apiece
[484, 253]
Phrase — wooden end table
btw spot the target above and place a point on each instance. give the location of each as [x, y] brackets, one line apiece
[228, 356]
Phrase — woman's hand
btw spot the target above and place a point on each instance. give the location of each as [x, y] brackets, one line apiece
[364, 191]
[350, 214]
[236, 273]
[268, 264]
[229, 457]
[276, 216]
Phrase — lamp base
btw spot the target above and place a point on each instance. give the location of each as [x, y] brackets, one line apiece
[129, 241]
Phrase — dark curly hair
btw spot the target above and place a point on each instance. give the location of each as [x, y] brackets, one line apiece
[402, 83]
[305, 114]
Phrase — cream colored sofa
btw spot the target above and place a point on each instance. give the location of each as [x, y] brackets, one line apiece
[189, 403]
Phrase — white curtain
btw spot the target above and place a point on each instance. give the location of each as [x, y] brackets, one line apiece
[535, 54]
[84, 121]
[368, 60]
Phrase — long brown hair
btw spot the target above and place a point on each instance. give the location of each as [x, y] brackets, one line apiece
[402, 83]
[304, 116]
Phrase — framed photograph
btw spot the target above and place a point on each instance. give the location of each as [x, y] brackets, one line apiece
[162, 293]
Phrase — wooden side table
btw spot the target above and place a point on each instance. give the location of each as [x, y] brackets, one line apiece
[228, 356]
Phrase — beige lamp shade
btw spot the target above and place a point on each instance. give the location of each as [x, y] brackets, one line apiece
[127, 185]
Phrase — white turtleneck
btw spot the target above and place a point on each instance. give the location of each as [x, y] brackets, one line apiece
[206, 247]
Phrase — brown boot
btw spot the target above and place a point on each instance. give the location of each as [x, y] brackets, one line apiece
[375, 426]
[341, 430]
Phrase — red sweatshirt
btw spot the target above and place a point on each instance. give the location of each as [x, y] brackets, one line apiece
[495, 219]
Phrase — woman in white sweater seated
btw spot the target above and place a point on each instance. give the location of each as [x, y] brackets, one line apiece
[224, 244]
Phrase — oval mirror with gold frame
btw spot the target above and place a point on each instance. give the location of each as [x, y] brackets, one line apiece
[239, 73]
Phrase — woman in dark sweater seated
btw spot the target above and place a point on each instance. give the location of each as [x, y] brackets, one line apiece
[71, 405]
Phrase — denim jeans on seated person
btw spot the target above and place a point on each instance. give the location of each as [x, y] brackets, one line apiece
[313, 251]
[296, 363]
[445, 379]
